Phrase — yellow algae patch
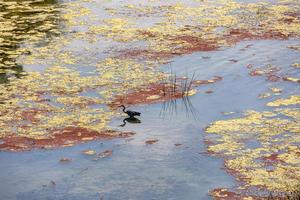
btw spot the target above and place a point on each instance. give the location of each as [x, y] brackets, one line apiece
[89, 152]
[276, 90]
[190, 92]
[292, 79]
[121, 75]
[152, 97]
[78, 100]
[292, 100]
[31, 106]
[264, 95]
[118, 29]
[261, 148]
[296, 65]
[29, 21]
[234, 125]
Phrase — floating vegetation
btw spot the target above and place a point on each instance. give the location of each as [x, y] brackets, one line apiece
[169, 88]
[65, 160]
[152, 141]
[296, 65]
[89, 152]
[295, 47]
[104, 154]
[271, 164]
[291, 79]
[24, 21]
[269, 71]
[37, 102]
[81, 62]
[66, 137]
[292, 100]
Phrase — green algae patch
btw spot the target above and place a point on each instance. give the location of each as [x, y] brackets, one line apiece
[261, 149]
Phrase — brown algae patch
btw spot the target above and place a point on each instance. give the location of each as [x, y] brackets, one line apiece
[149, 142]
[261, 149]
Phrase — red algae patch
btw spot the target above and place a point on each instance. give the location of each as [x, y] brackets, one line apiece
[224, 194]
[191, 44]
[272, 160]
[237, 35]
[187, 44]
[270, 72]
[146, 54]
[194, 44]
[151, 94]
[59, 138]
[30, 114]
[162, 92]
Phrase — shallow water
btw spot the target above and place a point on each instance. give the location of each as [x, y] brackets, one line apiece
[177, 165]
[161, 170]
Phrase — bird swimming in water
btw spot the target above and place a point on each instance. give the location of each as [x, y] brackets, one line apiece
[130, 113]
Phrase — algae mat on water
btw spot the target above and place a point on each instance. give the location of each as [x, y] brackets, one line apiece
[50, 87]
[271, 164]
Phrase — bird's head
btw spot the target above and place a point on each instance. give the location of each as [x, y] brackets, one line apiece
[122, 106]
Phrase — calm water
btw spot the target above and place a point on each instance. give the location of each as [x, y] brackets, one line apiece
[161, 170]
[136, 170]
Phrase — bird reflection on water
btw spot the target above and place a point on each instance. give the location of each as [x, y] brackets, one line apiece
[131, 120]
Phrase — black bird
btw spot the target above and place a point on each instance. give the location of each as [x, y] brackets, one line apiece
[130, 113]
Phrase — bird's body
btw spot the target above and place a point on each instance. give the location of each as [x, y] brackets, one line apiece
[130, 113]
